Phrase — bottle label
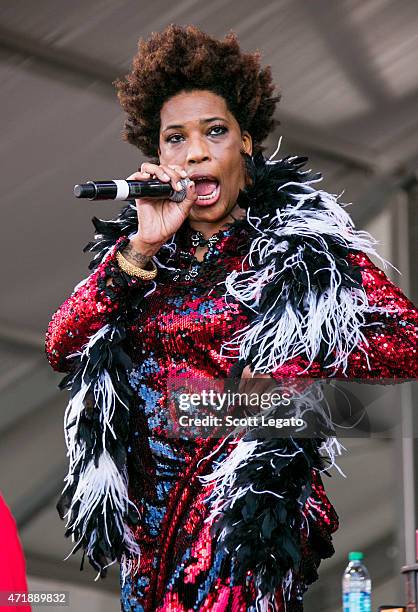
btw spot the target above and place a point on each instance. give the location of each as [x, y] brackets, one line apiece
[357, 602]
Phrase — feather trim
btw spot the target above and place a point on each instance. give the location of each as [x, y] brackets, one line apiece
[109, 230]
[261, 492]
[304, 298]
[303, 295]
[95, 499]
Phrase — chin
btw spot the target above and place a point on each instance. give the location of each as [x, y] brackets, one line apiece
[209, 213]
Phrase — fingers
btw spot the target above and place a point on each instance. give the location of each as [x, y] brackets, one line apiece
[169, 173]
[191, 196]
[165, 173]
[179, 169]
[138, 176]
[176, 174]
[246, 373]
[254, 382]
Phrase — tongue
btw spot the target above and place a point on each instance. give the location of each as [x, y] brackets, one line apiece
[205, 187]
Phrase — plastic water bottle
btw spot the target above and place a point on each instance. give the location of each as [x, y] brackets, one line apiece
[357, 586]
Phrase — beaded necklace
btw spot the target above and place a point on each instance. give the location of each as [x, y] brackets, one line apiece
[300, 275]
[189, 265]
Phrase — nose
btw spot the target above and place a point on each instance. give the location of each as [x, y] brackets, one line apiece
[198, 150]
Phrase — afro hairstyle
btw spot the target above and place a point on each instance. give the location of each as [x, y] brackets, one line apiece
[186, 59]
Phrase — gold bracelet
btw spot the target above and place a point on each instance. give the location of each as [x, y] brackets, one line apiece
[132, 270]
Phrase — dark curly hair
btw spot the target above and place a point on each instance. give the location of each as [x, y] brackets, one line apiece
[185, 59]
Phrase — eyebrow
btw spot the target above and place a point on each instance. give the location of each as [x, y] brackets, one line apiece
[201, 121]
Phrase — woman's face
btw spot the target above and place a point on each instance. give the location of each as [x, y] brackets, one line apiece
[199, 134]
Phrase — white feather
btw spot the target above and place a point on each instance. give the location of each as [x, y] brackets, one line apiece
[277, 149]
[98, 487]
[266, 603]
[300, 332]
[105, 484]
[225, 492]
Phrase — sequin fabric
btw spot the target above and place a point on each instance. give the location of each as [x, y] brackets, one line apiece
[390, 350]
[180, 333]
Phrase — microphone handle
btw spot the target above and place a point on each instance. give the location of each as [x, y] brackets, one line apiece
[127, 190]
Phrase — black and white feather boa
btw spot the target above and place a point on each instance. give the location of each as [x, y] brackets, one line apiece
[261, 496]
[95, 499]
[305, 299]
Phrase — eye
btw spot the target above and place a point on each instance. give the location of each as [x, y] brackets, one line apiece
[215, 130]
[218, 127]
[170, 138]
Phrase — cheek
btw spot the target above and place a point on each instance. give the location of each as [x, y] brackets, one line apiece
[164, 158]
[231, 161]
[234, 170]
[169, 155]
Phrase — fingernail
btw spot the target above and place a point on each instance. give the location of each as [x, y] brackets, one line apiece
[179, 186]
[183, 173]
[166, 177]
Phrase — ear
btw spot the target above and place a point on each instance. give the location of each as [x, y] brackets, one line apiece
[247, 142]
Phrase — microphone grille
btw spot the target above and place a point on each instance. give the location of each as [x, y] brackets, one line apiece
[179, 196]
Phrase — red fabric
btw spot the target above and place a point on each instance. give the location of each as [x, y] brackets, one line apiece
[179, 334]
[12, 560]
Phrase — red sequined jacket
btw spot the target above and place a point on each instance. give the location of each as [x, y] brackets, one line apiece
[182, 329]
[312, 301]
[391, 346]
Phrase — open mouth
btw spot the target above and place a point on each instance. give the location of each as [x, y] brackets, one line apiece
[208, 190]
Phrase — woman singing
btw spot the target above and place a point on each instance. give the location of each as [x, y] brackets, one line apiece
[255, 272]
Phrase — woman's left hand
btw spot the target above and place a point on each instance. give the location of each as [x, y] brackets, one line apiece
[250, 382]
[247, 373]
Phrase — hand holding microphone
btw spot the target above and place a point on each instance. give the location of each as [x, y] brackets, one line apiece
[127, 189]
[159, 217]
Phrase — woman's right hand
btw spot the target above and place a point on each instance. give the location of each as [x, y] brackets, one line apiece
[159, 219]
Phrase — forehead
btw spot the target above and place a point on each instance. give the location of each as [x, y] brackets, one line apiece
[190, 107]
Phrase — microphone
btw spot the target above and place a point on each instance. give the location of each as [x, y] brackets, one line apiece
[127, 190]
